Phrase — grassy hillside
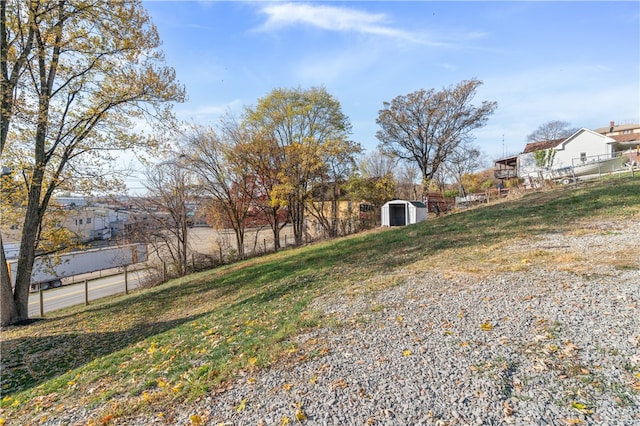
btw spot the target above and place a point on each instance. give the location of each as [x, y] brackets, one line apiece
[191, 336]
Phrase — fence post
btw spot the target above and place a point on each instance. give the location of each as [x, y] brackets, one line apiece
[164, 272]
[264, 243]
[41, 302]
[126, 281]
[86, 292]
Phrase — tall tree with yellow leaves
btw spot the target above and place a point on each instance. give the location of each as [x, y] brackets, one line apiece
[302, 125]
[76, 75]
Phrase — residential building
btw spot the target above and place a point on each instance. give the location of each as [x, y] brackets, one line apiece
[627, 138]
[581, 148]
[584, 145]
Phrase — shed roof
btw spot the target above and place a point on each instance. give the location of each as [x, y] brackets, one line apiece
[419, 204]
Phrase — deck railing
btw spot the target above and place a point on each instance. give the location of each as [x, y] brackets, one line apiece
[505, 173]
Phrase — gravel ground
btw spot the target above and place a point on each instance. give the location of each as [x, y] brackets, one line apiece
[556, 341]
[545, 345]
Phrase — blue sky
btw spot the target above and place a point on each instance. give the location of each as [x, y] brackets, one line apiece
[573, 61]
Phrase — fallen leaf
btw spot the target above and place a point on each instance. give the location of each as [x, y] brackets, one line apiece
[406, 352]
[241, 406]
[340, 383]
[582, 408]
[486, 326]
[572, 421]
[300, 415]
[507, 409]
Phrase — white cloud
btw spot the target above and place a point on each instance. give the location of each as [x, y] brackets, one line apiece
[210, 111]
[338, 19]
[448, 67]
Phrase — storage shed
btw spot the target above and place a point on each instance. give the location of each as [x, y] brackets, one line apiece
[401, 213]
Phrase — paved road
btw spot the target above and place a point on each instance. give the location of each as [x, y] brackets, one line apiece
[202, 239]
[74, 294]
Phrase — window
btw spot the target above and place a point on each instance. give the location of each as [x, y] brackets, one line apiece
[88, 220]
[583, 157]
[79, 221]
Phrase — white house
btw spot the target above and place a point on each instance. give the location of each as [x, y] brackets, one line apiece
[583, 146]
[401, 213]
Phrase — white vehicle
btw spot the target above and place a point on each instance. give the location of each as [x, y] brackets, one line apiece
[48, 271]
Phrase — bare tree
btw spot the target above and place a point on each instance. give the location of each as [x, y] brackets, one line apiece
[551, 130]
[466, 158]
[166, 209]
[224, 175]
[426, 126]
[377, 164]
[258, 153]
[408, 176]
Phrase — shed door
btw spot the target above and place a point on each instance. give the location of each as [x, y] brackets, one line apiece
[397, 214]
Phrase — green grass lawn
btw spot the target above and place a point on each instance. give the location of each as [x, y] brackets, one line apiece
[193, 335]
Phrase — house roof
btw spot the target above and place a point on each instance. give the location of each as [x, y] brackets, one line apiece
[617, 128]
[607, 139]
[629, 138]
[559, 144]
[539, 146]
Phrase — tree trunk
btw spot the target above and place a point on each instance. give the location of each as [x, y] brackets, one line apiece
[297, 221]
[296, 213]
[276, 235]
[7, 303]
[32, 220]
[334, 212]
[27, 254]
[185, 245]
[240, 241]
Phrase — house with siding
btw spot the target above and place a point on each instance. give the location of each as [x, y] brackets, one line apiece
[584, 146]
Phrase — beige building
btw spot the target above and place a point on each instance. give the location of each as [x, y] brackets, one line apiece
[87, 223]
[626, 137]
